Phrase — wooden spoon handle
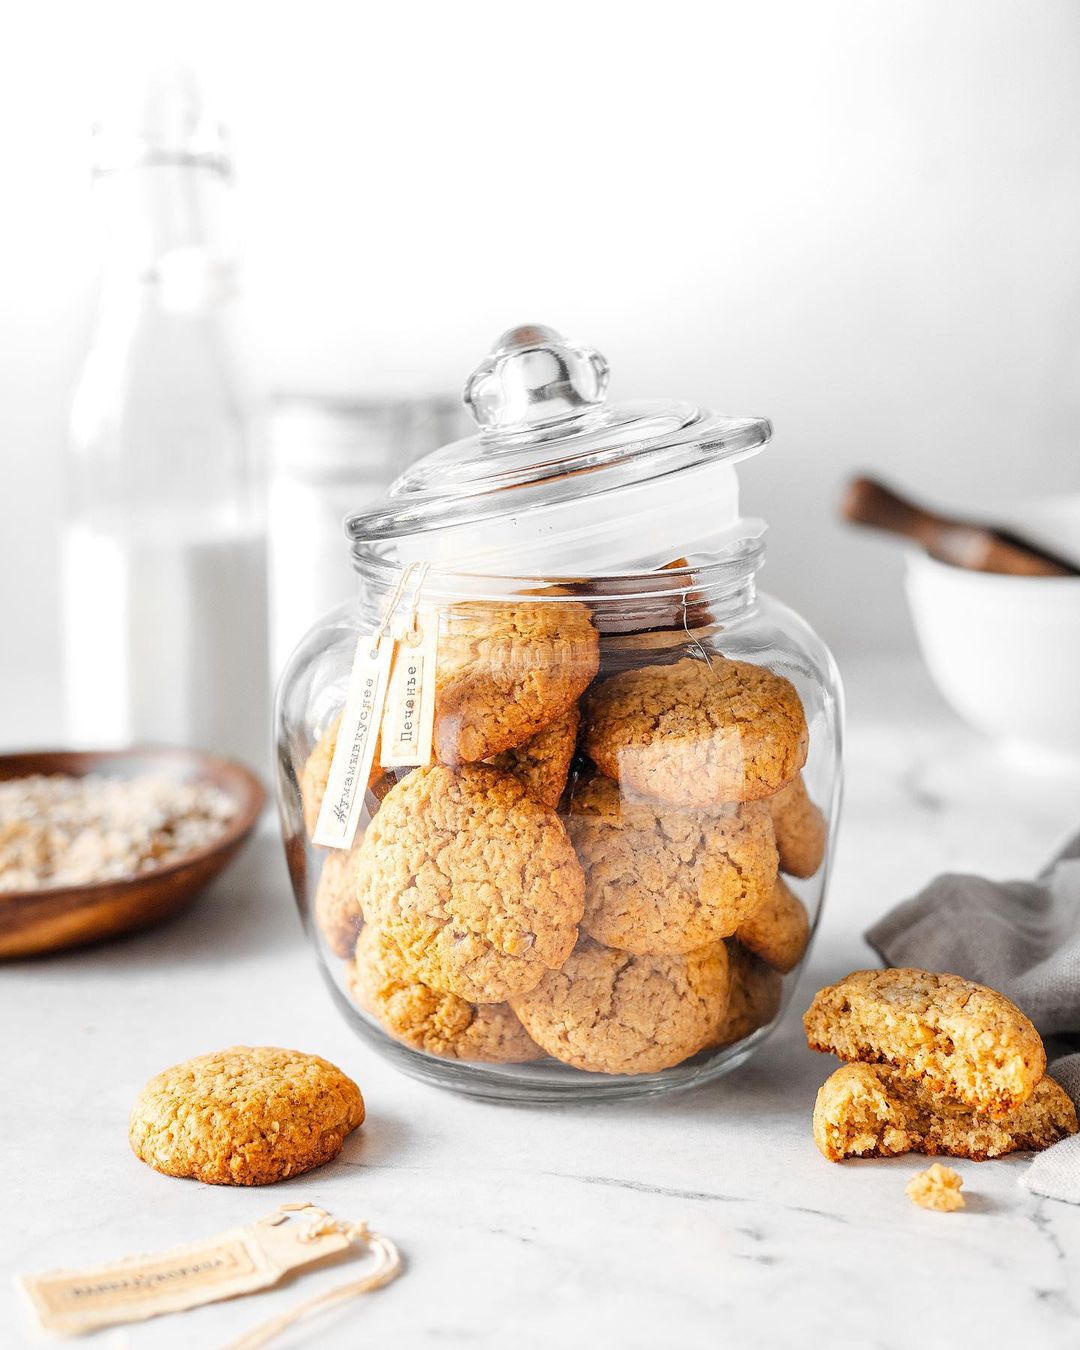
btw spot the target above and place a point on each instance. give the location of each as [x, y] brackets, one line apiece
[868, 502]
[979, 547]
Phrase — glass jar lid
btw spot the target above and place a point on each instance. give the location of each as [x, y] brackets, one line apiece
[557, 480]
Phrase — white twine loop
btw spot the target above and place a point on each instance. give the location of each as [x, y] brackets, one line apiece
[413, 569]
[388, 1265]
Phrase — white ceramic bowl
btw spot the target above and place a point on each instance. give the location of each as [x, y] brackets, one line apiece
[1005, 651]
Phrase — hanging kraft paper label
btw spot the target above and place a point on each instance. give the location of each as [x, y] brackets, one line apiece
[357, 737]
[410, 704]
[70, 1302]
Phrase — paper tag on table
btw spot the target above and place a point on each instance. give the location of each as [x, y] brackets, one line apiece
[409, 718]
[358, 734]
[70, 1302]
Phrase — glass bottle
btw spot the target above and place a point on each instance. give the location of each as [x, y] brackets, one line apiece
[164, 548]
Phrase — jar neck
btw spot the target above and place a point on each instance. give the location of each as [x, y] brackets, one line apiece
[705, 590]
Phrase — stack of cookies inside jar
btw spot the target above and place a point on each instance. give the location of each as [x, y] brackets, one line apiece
[599, 868]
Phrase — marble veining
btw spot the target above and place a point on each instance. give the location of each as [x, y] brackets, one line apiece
[706, 1219]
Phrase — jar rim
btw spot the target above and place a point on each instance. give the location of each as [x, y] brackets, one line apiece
[700, 572]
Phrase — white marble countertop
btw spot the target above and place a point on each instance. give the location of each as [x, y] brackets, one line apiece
[705, 1219]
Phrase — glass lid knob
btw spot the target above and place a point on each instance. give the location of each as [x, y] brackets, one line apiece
[534, 378]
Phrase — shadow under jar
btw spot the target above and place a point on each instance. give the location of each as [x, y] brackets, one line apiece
[602, 876]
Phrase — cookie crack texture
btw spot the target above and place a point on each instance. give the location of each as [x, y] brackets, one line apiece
[475, 880]
[612, 1012]
[962, 1040]
[382, 982]
[507, 671]
[662, 879]
[697, 734]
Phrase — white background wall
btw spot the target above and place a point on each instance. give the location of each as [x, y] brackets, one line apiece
[861, 219]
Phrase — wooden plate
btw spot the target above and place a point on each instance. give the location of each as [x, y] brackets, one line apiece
[33, 922]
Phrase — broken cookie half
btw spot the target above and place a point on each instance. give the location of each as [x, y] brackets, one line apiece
[872, 1110]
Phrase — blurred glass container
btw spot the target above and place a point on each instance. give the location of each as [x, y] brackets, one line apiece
[164, 548]
[326, 455]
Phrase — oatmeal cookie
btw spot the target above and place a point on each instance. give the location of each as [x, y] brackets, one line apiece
[871, 1110]
[476, 881]
[778, 930]
[962, 1040]
[936, 1188]
[382, 983]
[542, 763]
[337, 907]
[506, 671]
[668, 879]
[697, 733]
[245, 1116]
[756, 991]
[609, 1012]
[800, 829]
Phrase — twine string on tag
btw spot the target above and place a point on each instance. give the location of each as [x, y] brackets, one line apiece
[241, 1261]
[395, 597]
[388, 1266]
[413, 634]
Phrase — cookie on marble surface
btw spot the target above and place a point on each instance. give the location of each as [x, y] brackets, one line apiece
[697, 733]
[607, 1011]
[383, 984]
[961, 1039]
[936, 1188]
[668, 879]
[542, 763]
[475, 880]
[801, 831]
[754, 999]
[337, 905]
[778, 930]
[873, 1111]
[245, 1116]
[506, 671]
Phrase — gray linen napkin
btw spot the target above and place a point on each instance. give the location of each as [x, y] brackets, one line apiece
[1021, 938]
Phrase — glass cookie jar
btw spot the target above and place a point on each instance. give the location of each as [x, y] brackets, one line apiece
[559, 788]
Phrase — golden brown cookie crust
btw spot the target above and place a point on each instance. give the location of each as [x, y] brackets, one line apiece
[754, 1000]
[778, 930]
[245, 1116]
[382, 983]
[476, 882]
[872, 1111]
[961, 1039]
[801, 831]
[697, 733]
[607, 1011]
[506, 671]
[542, 763]
[667, 879]
[337, 906]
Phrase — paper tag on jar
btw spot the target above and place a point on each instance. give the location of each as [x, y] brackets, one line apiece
[240, 1261]
[410, 703]
[358, 734]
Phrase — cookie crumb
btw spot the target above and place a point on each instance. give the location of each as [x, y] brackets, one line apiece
[936, 1188]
